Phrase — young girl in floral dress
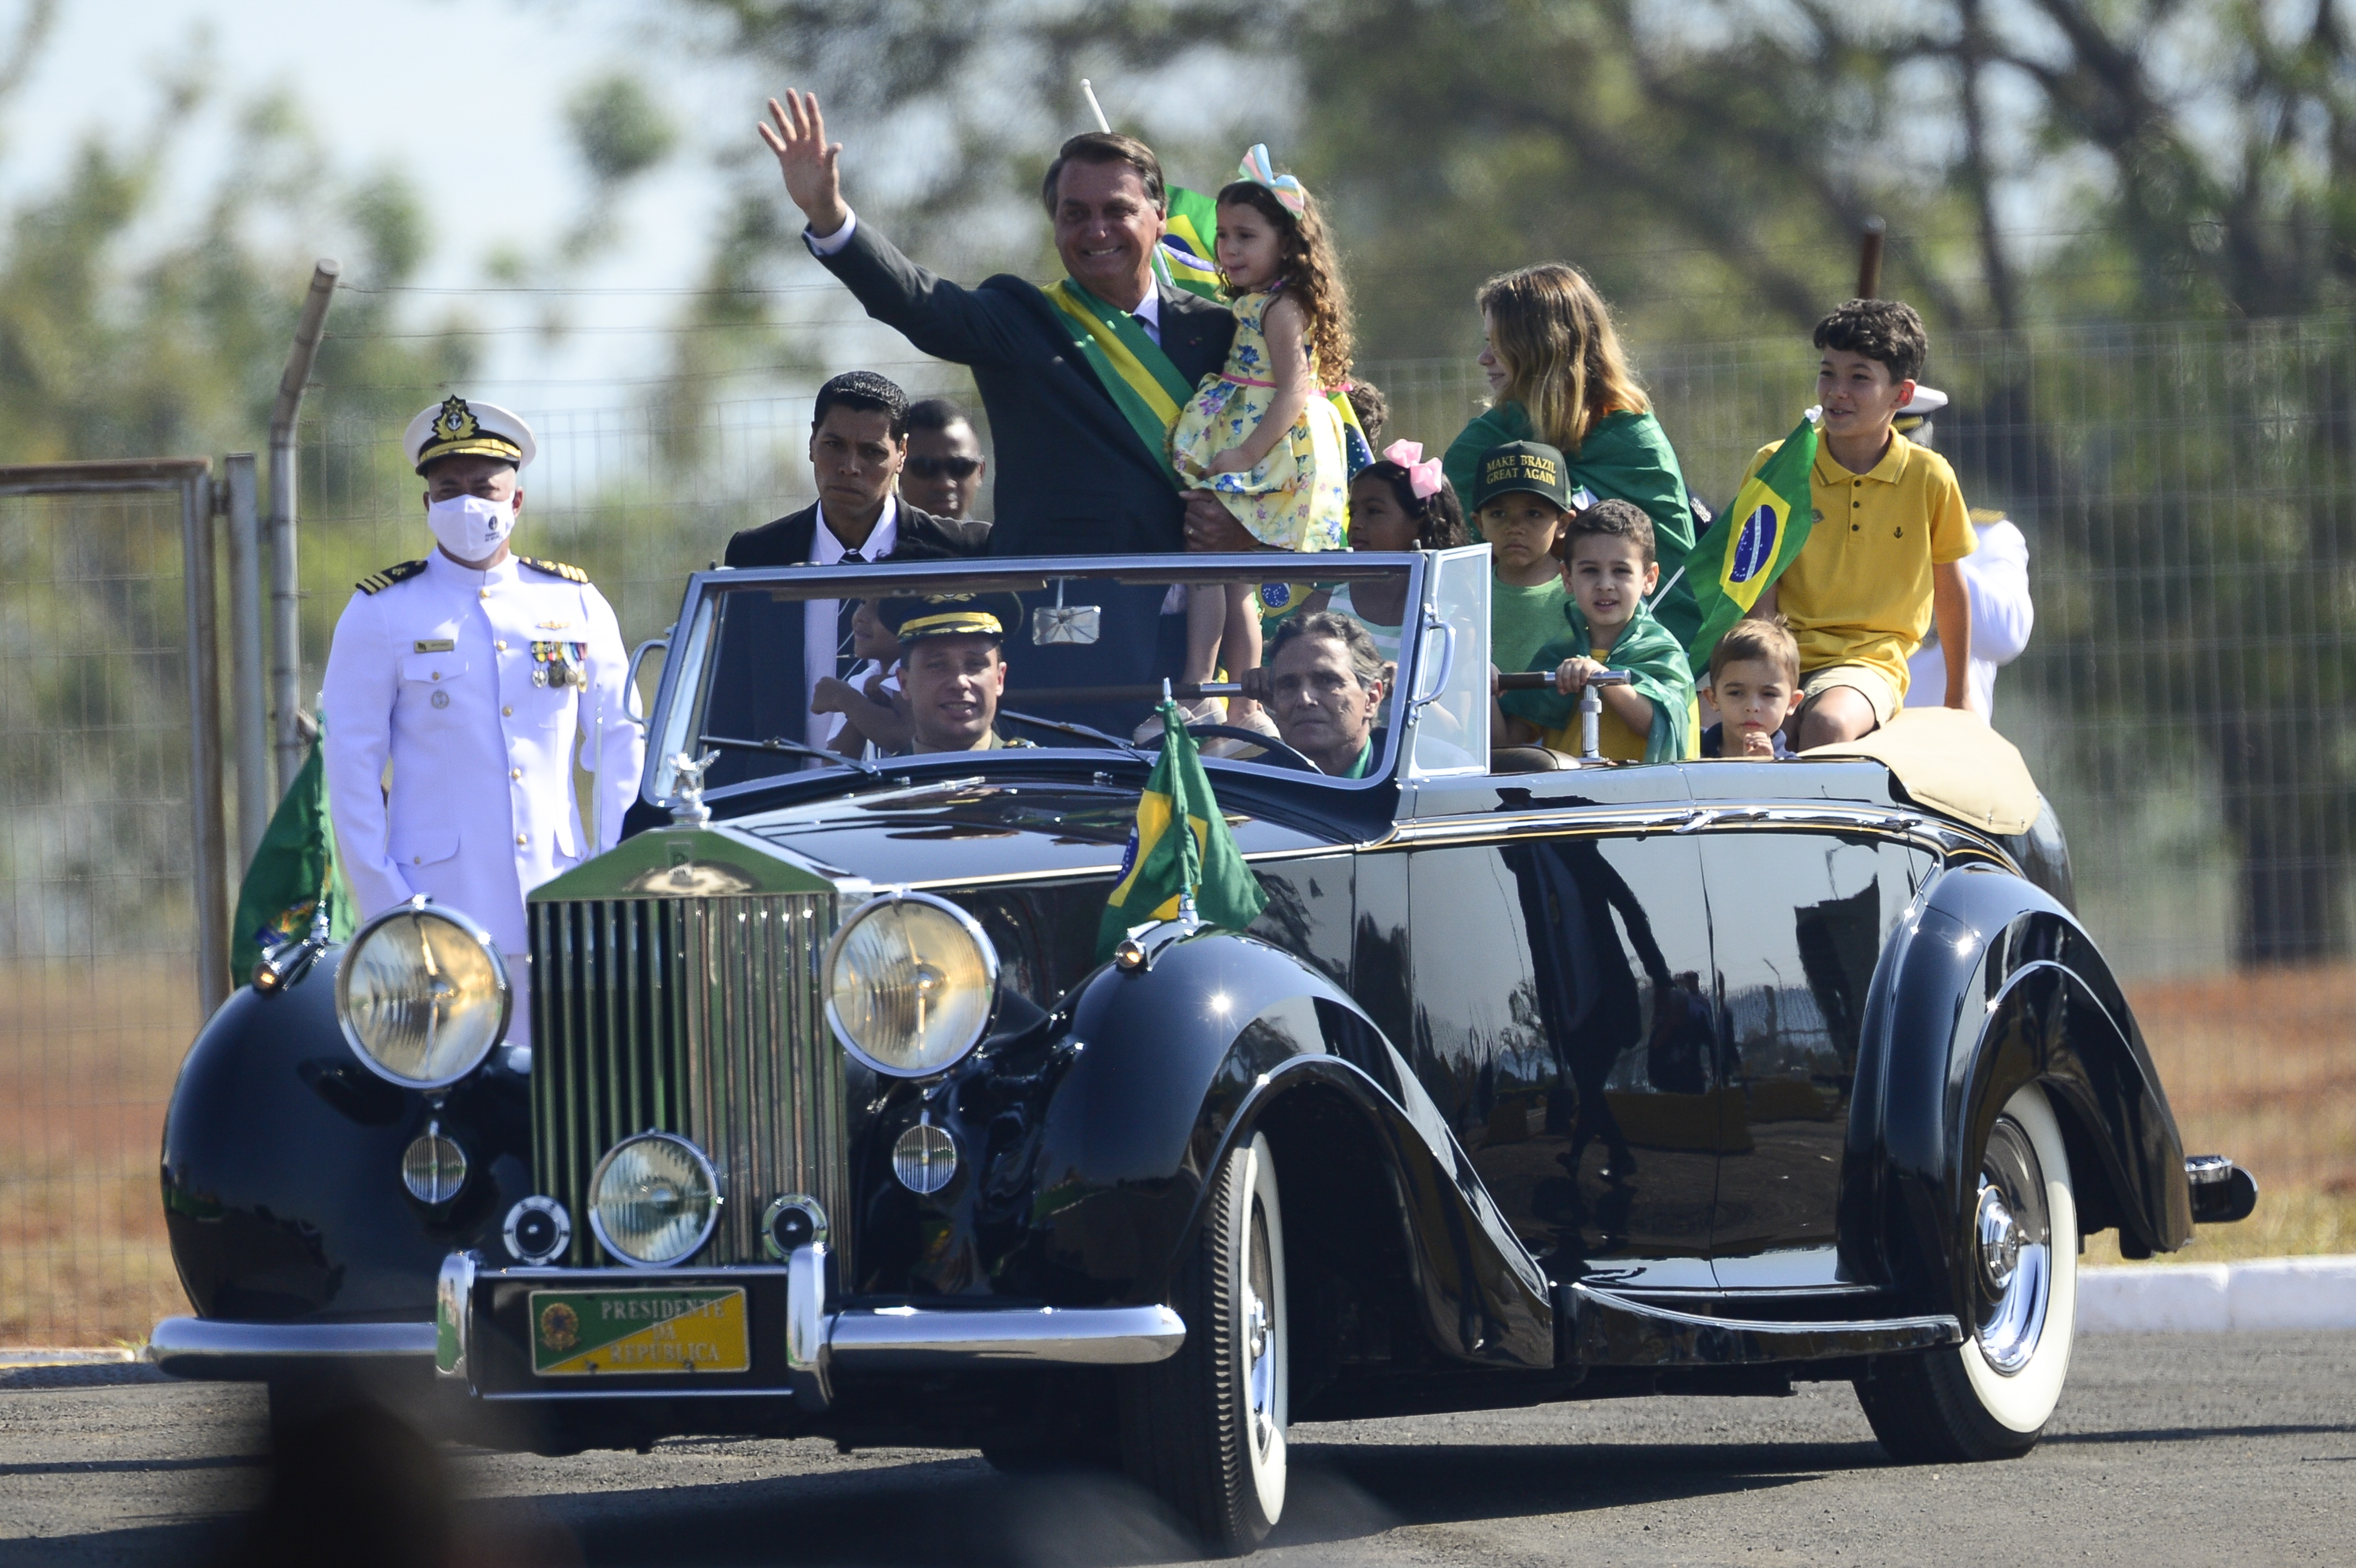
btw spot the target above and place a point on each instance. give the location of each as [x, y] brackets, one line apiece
[1266, 434]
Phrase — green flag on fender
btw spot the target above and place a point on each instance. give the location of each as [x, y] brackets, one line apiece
[1162, 862]
[1760, 534]
[291, 872]
[1185, 258]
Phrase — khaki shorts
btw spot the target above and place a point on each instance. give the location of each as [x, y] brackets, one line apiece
[1868, 682]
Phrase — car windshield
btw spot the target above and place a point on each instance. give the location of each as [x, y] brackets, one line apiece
[987, 664]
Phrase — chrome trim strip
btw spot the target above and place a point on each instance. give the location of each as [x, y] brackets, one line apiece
[808, 1360]
[219, 1348]
[1932, 832]
[913, 1337]
[452, 1292]
[1609, 1330]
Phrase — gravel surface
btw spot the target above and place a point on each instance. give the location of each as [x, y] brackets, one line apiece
[2231, 1448]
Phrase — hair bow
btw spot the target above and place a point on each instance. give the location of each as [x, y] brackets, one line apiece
[1422, 478]
[1289, 192]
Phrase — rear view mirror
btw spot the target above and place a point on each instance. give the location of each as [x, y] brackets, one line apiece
[1076, 625]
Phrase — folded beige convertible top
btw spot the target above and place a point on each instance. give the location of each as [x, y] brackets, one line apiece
[1951, 762]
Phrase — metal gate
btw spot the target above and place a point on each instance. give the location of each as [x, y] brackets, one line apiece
[114, 877]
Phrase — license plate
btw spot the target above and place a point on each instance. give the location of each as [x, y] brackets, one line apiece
[576, 1333]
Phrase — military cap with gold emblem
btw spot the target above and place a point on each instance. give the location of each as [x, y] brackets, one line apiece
[458, 428]
[1914, 421]
[951, 615]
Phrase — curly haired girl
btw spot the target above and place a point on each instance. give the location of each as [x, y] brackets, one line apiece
[1266, 434]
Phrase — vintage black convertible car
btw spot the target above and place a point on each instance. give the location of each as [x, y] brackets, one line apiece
[1536, 1082]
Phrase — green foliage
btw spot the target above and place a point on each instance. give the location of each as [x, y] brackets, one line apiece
[620, 132]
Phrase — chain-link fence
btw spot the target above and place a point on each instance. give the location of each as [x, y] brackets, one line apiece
[99, 936]
[2186, 490]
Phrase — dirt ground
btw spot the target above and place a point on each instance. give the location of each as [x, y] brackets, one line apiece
[2260, 1066]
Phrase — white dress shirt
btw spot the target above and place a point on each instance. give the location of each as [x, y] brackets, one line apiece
[1148, 311]
[821, 618]
[435, 675]
[1997, 575]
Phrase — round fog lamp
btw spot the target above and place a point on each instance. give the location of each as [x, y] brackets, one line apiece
[537, 1229]
[924, 1158]
[654, 1200]
[909, 984]
[794, 1220]
[434, 1167]
[423, 995]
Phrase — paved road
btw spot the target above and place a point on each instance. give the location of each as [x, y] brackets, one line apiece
[2232, 1449]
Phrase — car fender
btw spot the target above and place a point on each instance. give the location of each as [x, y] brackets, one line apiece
[283, 1197]
[1213, 1041]
[1988, 984]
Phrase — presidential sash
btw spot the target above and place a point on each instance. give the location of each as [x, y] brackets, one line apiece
[1145, 386]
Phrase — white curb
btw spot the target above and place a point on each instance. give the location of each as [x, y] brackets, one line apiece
[2219, 1298]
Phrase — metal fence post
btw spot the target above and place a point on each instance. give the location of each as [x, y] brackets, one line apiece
[249, 700]
[210, 849]
[285, 586]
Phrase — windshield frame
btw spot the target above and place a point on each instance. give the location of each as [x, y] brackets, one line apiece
[696, 630]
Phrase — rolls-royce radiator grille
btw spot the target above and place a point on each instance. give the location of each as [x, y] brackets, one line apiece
[699, 1016]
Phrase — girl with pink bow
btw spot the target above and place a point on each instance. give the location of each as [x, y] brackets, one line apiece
[1403, 503]
[1269, 434]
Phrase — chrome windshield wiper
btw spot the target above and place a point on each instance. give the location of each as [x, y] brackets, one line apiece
[1083, 731]
[779, 744]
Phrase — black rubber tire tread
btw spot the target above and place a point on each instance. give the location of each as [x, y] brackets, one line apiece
[1924, 1412]
[1182, 1420]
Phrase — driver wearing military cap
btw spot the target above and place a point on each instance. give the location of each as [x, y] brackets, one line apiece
[477, 674]
[953, 667]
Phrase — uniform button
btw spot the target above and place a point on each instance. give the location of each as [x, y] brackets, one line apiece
[482, 593]
[507, 712]
[515, 772]
[417, 860]
[501, 645]
[520, 838]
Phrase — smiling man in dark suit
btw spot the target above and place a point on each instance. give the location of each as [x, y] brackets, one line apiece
[1078, 471]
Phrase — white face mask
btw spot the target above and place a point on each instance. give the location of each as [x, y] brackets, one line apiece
[470, 528]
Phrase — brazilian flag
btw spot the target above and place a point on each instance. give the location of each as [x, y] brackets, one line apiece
[292, 870]
[1161, 866]
[1185, 258]
[1760, 534]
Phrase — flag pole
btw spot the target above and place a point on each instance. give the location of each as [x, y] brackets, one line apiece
[1094, 108]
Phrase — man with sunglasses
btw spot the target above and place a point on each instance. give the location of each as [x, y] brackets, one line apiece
[946, 466]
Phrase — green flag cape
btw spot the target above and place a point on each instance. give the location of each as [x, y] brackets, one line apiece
[1657, 671]
[1161, 863]
[1145, 386]
[1185, 258]
[291, 872]
[1762, 533]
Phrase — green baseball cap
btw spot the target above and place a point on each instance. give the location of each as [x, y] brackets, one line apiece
[1520, 467]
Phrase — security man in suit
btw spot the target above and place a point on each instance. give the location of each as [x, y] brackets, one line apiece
[478, 674]
[1075, 473]
[858, 446]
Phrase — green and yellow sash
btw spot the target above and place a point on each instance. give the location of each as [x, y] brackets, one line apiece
[1145, 386]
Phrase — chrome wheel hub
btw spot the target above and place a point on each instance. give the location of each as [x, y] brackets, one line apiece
[2012, 1244]
[1260, 1369]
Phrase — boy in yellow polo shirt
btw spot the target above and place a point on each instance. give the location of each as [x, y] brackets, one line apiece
[1879, 563]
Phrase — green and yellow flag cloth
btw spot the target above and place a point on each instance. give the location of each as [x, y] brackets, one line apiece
[1656, 670]
[1145, 386]
[1760, 534]
[1163, 864]
[293, 870]
[1185, 258]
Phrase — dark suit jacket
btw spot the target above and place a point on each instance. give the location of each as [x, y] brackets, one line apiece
[1073, 476]
[921, 537]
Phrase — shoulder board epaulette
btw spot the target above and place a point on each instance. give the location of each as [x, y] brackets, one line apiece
[554, 568]
[377, 582]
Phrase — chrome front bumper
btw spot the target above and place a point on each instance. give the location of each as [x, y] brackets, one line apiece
[814, 1343]
[248, 1352]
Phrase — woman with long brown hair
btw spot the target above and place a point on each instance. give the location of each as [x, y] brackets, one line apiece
[1557, 374]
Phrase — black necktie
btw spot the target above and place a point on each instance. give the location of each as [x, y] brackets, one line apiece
[845, 659]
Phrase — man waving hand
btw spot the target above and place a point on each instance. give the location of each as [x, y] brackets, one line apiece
[1074, 376]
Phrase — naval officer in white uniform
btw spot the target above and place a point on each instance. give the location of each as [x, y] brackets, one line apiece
[478, 674]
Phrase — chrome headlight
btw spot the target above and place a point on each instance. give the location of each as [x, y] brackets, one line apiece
[910, 980]
[423, 995]
[654, 1200]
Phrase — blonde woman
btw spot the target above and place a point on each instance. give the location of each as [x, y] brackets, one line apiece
[1557, 375]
